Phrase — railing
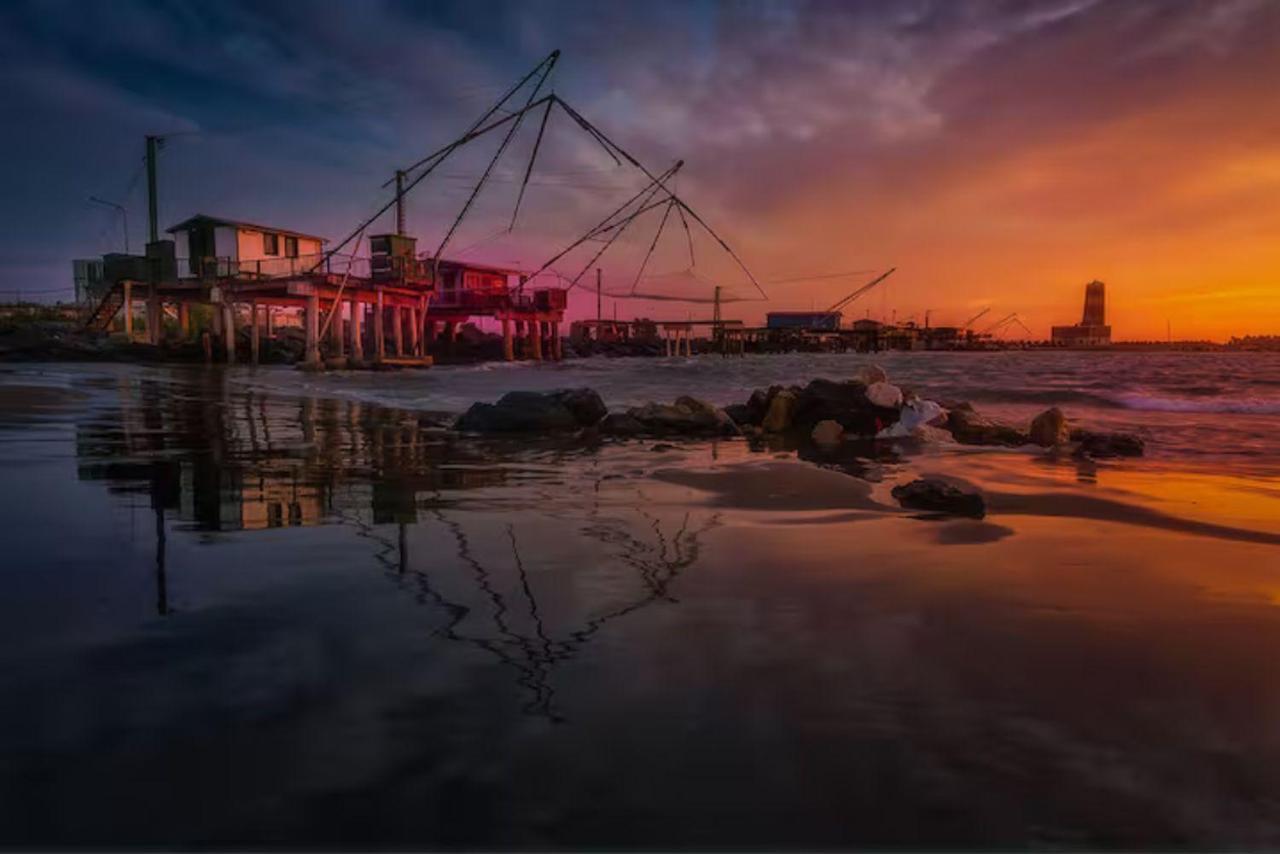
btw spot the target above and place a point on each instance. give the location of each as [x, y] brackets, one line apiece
[271, 268]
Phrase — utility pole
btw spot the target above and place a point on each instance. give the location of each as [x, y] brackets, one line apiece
[599, 303]
[153, 213]
[400, 202]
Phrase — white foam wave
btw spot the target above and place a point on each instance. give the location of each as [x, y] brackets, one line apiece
[1226, 405]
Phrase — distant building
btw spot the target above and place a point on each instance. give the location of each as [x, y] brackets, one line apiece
[1092, 330]
[823, 321]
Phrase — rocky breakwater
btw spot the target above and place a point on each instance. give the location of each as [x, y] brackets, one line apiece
[823, 413]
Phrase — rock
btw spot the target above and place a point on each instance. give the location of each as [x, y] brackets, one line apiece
[869, 375]
[937, 496]
[843, 402]
[884, 395]
[919, 419]
[781, 412]
[621, 424]
[1049, 428]
[741, 414]
[970, 428]
[688, 416]
[1104, 445]
[662, 447]
[827, 433]
[758, 404]
[585, 404]
[519, 412]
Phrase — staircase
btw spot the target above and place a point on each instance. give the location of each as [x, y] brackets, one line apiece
[105, 311]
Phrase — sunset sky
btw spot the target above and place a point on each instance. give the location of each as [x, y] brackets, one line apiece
[997, 153]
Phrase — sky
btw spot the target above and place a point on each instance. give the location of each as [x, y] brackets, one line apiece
[998, 154]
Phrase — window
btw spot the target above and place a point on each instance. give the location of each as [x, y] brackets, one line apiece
[270, 243]
[291, 247]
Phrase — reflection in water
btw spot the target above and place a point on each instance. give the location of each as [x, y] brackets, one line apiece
[217, 460]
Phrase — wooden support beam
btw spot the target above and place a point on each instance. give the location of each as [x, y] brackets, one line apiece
[557, 346]
[154, 312]
[397, 331]
[335, 332]
[535, 339]
[380, 328]
[415, 338]
[128, 310]
[357, 338]
[255, 334]
[508, 346]
[229, 331]
[313, 330]
[184, 319]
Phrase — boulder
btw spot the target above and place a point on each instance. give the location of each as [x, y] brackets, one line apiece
[843, 402]
[741, 414]
[1104, 445]
[781, 412]
[534, 412]
[585, 404]
[621, 424]
[885, 395]
[827, 433]
[688, 416]
[870, 375]
[970, 428]
[938, 496]
[758, 404]
[1049, 428]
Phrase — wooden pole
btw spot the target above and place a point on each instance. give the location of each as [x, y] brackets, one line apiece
[184, 319]
[335, 330]
[415, 339]
[229, 331]
[313, 330]
[535, 338]
[379, 328]
[397, 332]
[255, 333]
[357, 342]
[508, 346]
[154, 313]
[128, 310]
[557, 346]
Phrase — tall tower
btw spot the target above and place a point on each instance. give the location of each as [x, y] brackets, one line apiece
[1095, 304]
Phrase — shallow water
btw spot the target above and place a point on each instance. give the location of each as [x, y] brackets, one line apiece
[238, 613]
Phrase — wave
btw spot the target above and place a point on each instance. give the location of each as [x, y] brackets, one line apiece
[1226, 405]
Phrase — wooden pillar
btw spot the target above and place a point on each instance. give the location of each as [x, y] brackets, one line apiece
[184, 319]
[397, 332]
[415, 339]
[255, 333]
[422, 326]
[557, 346]
[313, 330]
[128, 310]
[229, 331]
[535, 339]
[357, 342]
[270, 321]
[380, 328]
[508, 346]
[335, 331]
[666, 340]
[153, 314]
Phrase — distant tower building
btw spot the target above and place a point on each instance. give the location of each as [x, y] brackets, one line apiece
[1095, 304]
[1092, 331]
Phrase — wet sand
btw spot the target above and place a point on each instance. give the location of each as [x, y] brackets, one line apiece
[236, 617]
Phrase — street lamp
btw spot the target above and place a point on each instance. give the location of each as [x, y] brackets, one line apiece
[124, 215]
